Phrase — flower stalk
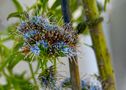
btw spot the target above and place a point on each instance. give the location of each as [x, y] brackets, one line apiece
[99, 44]
[73, 64]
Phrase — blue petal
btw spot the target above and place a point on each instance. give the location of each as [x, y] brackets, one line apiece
[23, 24]
[35, 49]
[49, 27]
[93, 88]
[29, 34]
[83, 84]
[44, 43]
[26, 35]
[66, 50]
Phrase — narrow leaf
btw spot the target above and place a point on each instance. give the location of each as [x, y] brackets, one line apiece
[105, 4]
[17, 5]
[14, 14]
[56, 4]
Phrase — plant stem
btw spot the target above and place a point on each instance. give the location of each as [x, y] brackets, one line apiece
[73, 64]
[99, 44]
[74, 73]
[32, 73]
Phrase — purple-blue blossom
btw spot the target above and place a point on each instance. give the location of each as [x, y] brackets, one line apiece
[43, 43]
[29, 34]
[66, 50]
[50, 27]
[39, 20]
[22, 26]
[35, 49]
[86, 84]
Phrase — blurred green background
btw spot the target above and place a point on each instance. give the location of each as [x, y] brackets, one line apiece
[114, 28]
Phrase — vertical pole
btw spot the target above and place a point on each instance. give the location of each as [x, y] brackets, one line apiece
[74, 73]
[99, 44]
[73, 64]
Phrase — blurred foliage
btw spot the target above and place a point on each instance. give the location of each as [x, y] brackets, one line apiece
[18, 5]
[105, 3]
[17, 82]
[10, 57]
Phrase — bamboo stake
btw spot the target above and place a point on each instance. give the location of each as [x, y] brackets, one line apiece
[74, 73]
[73, 64]
[99, 44]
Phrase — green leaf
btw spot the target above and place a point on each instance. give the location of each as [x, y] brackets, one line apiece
[23, 83]
[81, 27]
[5, 87]
[4, 51]
[15, 59]
[44, 3]
[15, 56]
[100, 7]
[18, 5]
[14, 14]
[56, 4]
[73, 5]
[105, 4]
[18, 82]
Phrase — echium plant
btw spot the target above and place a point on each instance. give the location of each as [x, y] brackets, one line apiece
[45, 39]
[42, 40]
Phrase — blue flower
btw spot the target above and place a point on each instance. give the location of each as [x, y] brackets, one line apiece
[33, 32]
[39, 20]
[29, 34]
[43, 43]
[22, 26]
[35, 49]
[26, 35]
[66, 50]
[34, 19]
[49, 27]
[83, 84]
[44, 81]
[62, 47]
[93, 88]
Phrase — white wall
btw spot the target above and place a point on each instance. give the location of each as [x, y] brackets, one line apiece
[118, 36]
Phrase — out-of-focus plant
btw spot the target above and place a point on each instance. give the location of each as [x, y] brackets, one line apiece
[40, 35]
[35, 38]
[89, 82]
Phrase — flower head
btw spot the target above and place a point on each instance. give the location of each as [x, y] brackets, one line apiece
[41, 35]
[88, 83]
[91, 82]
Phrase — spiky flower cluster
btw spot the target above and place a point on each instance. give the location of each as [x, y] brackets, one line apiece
[88, 83]
[91, 83]
[42, 37]
[47, 78]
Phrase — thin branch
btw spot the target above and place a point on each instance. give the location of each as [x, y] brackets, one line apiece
[73, 65]
[99, 44]
[33, 76]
